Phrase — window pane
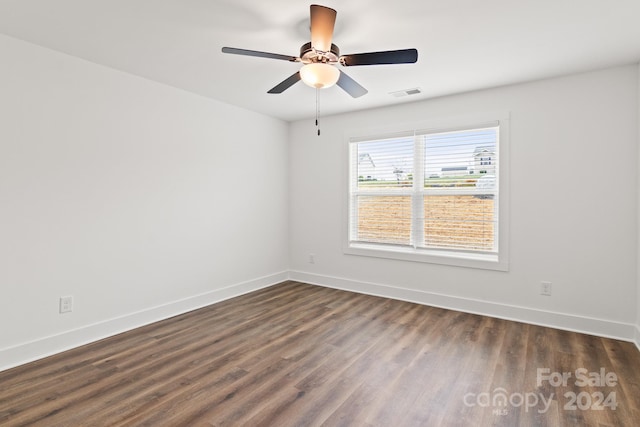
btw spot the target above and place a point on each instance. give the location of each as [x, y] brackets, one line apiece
[460, 222]
[384, 219]
[385, 164]
[459, 159]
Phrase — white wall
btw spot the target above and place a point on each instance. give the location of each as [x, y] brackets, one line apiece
[638, 262]
[573, 222]
[138, 199]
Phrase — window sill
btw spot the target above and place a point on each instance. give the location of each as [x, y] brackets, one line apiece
[458, 259]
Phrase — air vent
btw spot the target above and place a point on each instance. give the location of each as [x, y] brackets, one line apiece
[406, 92]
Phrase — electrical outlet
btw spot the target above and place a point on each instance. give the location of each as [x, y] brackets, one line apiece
[312, 258]
[545, 288]
[66, 304]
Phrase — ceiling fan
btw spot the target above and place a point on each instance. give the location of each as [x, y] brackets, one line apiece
[320, 57]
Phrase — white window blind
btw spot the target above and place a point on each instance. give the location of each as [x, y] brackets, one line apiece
[427, 190]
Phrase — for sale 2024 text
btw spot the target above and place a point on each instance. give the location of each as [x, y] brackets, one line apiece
[582, 378]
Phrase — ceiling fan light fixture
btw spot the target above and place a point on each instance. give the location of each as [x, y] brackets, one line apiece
[319, 75]
[320, 57]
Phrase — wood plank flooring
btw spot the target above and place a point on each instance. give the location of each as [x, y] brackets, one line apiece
[302, 355]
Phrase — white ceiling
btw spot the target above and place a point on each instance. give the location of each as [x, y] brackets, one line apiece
[463, 45]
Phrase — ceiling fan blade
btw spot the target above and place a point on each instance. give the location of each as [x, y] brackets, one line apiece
[323, 20]
[350, 86]
[259, 54]
[286, 83]
[403, 56]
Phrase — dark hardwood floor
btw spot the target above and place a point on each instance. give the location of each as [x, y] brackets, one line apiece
[296, 354]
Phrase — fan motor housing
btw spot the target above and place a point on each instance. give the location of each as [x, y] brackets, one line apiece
[309, 55]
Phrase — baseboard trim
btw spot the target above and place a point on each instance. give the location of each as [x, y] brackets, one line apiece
[569, 322]
[27, 352]
[47, 346]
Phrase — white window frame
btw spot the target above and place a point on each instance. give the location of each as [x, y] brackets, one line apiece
[493, 261]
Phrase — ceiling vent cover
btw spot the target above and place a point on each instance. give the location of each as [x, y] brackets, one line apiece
[406, 92]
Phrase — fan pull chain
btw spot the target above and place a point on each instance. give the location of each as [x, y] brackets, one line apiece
[318, 110]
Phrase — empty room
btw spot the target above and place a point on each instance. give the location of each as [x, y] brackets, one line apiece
[245, 213]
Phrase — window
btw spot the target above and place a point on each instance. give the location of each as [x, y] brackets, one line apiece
[434, 195]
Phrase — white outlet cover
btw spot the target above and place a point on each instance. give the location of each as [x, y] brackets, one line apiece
[66, 304]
